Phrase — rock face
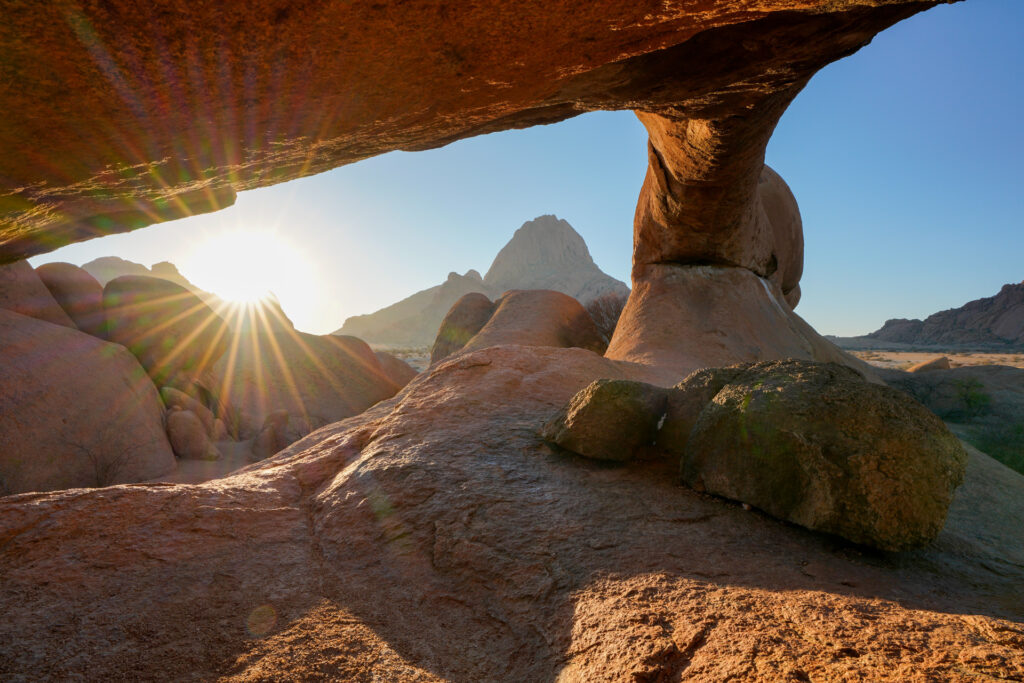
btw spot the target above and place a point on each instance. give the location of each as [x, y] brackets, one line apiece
[545, 253]
[315, 379]
[682, 318]
[940, 363]
[78, 293]
[996, 321]
[74, 411]
[107, 268]
[611, 419]
[436, 530]
[175, 399]
[413, 321]
[467, 317]
[645, 56]
[189, 438]
[23, 292]
[169, 329]
[817, 445]
[513, 561]
[397, 370]
[538, 317]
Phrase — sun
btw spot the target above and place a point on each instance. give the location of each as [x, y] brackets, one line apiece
[246, 266]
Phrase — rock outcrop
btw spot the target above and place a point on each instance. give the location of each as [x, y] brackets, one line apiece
[438, 532]
[413, 321]
[315, 379]
[397, 370]
[810, 443]
[78, 293]
[74, 411]
[189, 437]
[940, 363]
[545, 253]
[99, 68]
[169, 329]
[538, 317]
[466, 317]
[683, 318]
[23, 292]
[993, 322]
[611, 419]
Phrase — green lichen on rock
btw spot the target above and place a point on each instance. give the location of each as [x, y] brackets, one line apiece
[609, 420]
[816, 445]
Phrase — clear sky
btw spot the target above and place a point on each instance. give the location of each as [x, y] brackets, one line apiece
[906, 160]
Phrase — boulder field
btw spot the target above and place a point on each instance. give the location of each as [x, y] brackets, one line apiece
[436, 535]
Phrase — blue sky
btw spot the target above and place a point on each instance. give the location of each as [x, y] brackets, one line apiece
[905, 159]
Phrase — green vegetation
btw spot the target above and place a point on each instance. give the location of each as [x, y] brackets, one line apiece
[1004, 441]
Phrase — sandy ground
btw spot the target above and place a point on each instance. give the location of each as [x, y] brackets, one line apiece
[901, 360]
[233, 455]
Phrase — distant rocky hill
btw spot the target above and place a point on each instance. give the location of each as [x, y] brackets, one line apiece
[995, 322]
[106, 268]
[545, 253]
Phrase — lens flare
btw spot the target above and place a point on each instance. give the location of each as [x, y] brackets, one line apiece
[245, 266]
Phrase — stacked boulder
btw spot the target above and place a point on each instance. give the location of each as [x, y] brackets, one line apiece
[811, 443]
[75, 411]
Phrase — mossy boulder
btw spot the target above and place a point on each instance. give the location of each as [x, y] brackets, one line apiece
[815, 444]
[610, 420]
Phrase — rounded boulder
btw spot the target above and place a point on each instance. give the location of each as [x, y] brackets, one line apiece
[815, 444]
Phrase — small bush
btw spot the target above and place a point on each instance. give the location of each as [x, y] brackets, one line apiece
[1004, 441]
[605, 311]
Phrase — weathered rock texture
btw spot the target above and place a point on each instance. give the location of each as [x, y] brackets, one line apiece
[815, 444]
[315, 379]
[611, 419]
[74, 411]
[466, 317]
[438, 533]
[169, 329]
[538, 317]
[23, 292]
[682, 318]
[545, 253]
[189, 438]
[995, 321]
[436, 529]
[78, 293]
[397, 370]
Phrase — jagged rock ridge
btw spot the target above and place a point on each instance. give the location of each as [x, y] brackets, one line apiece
[545, 253]
[992, 321]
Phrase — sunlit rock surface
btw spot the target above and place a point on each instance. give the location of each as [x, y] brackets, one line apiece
[75, 411]
[436, 530]
[78, 293]
[150, 114]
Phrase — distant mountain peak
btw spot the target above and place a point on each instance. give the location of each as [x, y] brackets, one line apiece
[541, 246]
[545, 253]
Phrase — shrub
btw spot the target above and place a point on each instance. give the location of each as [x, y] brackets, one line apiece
[605, 311]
